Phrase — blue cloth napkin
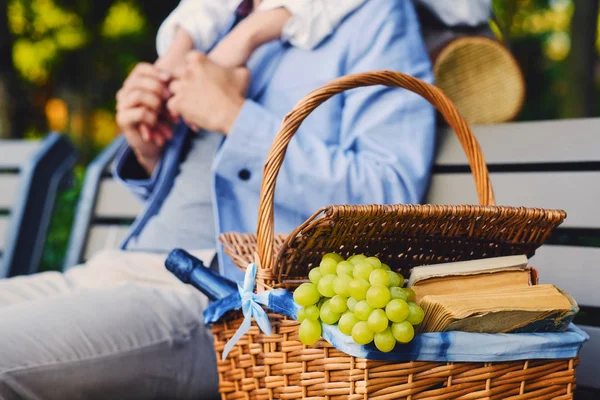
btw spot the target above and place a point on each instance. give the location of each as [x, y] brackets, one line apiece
[434, 346]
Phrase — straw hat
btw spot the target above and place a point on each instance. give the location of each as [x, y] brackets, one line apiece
[481, 77]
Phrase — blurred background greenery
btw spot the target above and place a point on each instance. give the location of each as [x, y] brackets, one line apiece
[62, 61]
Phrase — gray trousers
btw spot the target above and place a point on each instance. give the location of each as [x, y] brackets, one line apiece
[119, 327]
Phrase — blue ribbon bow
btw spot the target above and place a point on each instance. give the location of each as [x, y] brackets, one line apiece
[251, 308]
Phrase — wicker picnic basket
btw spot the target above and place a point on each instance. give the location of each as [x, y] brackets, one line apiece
[280, 367]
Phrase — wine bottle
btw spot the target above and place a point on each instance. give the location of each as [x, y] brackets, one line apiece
[191, 270]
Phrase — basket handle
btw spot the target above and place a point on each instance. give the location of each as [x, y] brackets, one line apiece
[265, 230]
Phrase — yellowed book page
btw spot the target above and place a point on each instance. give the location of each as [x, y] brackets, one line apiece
[461, 284]
[515, 306]
[466, 267]
[495, 322]
[539, 297]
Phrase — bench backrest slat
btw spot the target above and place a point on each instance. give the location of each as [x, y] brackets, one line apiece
[103, 237]
[540, 142]
[13, 153]
[570, 191]
[115, 201]
[9, 183]
[4, 221]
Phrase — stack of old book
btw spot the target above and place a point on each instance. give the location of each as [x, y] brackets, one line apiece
[495, 295]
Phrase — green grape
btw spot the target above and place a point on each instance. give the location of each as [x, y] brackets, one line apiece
[385, 267]
[362, 310]
[398, 293]
[315, 275]
[397, 310]
[401, 279]
[334, 256]
[327, 315]
[357, 258]
[357, 288]
[301, 314]
[378, 296]
[377, 321]
[328, 266]
[326, 285]
[310, 332]
[347, 322]
[361, 333]
[312, 312]
[341, 284]
[379, 277]
[374, 262]
[338, 303]
[306, 294]
[415, 314]
[395, 279]
[403, 331]
[345, 268]
[385, 341]
[363, 270]
[350, 303]
[411, 294]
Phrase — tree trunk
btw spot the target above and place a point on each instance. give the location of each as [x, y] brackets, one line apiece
[579, 99]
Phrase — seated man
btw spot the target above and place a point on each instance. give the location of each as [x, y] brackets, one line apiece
[121, 326]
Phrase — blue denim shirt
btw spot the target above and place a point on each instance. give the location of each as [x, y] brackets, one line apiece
[368, 145]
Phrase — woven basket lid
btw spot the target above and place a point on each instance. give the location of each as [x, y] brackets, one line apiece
[482, 79]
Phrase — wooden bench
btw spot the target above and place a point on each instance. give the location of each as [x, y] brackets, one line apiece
[539, 164]
[31, 174]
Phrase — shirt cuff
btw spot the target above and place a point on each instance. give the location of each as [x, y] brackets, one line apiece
[243, 153]
[128, 171]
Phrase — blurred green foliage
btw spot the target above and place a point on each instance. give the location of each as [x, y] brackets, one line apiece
[61, 223]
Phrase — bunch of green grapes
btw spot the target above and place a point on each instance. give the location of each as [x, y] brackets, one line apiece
[363, 296]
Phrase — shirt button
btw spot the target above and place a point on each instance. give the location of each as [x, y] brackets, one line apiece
[244, 174]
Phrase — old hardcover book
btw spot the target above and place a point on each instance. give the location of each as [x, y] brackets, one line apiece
[459, 277]
[538, 308]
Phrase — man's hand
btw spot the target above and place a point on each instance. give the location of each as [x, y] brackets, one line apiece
[141, 114]
[206, 95]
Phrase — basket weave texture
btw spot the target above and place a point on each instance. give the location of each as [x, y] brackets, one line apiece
[279, 366]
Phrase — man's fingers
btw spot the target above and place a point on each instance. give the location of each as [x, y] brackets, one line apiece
[145, 133]
[134, 116]
[149, 70]
[176, 86]
[165, 129]
[172, 106]
[140, 98]
[148, 84]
